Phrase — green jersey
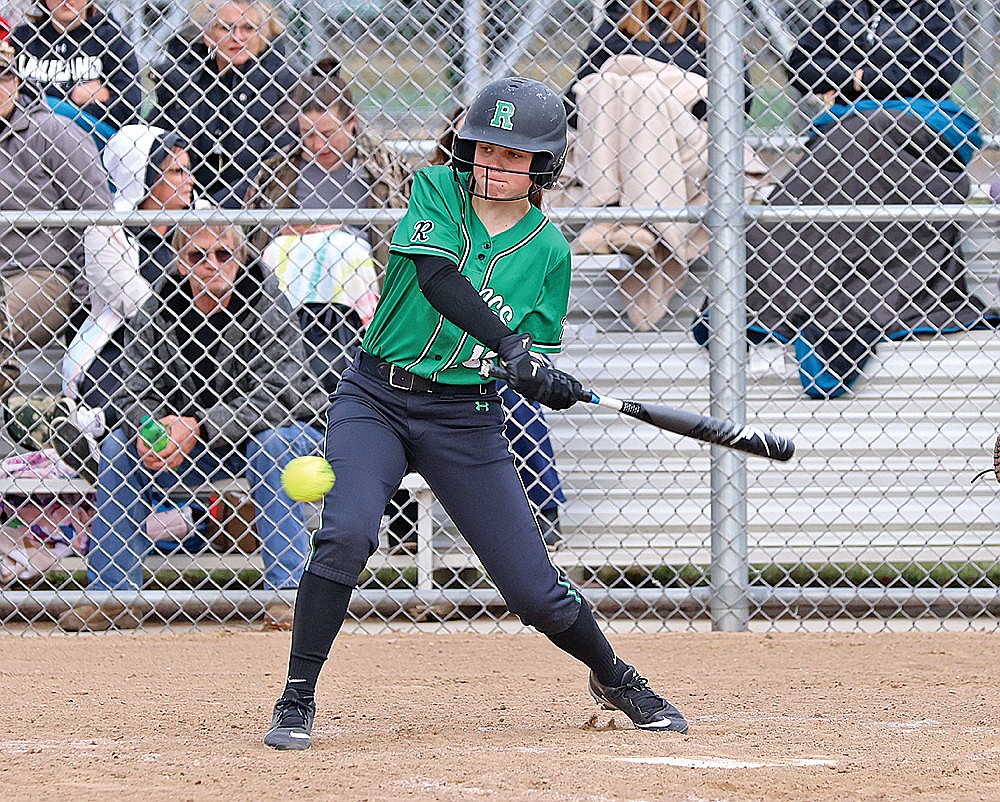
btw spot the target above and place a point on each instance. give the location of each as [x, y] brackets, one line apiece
[523, 275]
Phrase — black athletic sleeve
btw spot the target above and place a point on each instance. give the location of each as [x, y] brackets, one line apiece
[451, 294]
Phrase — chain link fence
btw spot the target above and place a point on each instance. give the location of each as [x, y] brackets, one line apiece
[780, 213]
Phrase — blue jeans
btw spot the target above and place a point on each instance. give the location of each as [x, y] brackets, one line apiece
[127, 492]
[530, 440]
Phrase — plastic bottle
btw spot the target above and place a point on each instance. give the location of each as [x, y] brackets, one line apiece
[154, 433]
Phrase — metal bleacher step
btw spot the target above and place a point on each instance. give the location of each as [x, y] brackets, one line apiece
[883, 473]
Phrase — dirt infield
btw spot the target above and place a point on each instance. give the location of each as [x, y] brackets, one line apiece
[502, 717]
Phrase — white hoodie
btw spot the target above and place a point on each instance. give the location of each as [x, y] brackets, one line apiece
[117, 288]
[113, 273]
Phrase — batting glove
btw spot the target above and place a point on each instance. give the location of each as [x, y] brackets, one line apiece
[533, 378]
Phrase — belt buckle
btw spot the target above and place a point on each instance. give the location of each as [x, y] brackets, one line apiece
[404, 380]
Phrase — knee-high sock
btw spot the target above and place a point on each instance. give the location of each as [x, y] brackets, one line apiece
[585, 641]
[320, 609]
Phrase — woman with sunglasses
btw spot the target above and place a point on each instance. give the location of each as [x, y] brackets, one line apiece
[221, 93]
[216, 357]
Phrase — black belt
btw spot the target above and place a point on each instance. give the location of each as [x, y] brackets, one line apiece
[401, 379]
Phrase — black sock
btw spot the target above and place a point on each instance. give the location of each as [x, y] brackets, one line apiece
[585, 641]
[320, 609]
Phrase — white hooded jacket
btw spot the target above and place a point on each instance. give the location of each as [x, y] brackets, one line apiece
[116, 283]
[117, 288]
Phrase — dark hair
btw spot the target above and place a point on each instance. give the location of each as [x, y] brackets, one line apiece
[446, 142]
[321, 92]
[328, 66]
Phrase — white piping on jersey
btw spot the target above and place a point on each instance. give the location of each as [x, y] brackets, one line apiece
[463, 259]
[486, 279]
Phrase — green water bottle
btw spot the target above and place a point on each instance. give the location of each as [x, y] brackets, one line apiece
[154, 433]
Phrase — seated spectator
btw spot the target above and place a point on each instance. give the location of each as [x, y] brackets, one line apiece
[150, 170]
[891, 135]
[71, 50]
[221, 94]
[328, 272]
[216, 357]
[49, 163]
[640, 101]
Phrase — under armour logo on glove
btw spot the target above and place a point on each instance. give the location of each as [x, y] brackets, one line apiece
[532, 377]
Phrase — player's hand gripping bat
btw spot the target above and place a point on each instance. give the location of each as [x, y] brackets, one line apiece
[749, 439]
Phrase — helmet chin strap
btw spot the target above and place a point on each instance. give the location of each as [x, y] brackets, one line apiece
[471, 189]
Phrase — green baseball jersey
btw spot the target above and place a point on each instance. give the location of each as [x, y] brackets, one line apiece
[523, 275]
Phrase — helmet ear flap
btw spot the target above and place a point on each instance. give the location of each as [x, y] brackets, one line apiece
[545, 169]
[463, 155]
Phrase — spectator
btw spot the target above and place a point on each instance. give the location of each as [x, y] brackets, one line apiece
[328, 271]
[73, 51]
[151, 170]
[222, 93]
[525, 426]
[48, 163]
[640, 101]
[216, 356]
[890, 135]
[863, 50]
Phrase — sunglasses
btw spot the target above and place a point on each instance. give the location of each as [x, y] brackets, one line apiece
[246, 28]
[196, 256]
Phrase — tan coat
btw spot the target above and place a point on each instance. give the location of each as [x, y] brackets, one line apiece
[639, 145]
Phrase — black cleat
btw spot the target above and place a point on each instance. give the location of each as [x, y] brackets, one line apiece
[291, 727]
[647, 709]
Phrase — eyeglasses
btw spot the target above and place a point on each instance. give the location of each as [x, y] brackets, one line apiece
[196, 256]
[246, 28]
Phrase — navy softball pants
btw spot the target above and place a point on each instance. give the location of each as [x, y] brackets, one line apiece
[454, 439]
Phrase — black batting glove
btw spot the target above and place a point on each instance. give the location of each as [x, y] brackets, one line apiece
[524, 373]
[566, 390]
[533, 378]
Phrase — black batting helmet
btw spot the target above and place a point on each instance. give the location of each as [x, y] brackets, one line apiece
[516, 113]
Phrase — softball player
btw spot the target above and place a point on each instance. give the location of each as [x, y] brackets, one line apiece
[475, 272]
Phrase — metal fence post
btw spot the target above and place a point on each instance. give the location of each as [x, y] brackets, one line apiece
[727, 291]
[474, 48]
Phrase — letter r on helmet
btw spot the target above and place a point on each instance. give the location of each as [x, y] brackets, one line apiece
[503, 115]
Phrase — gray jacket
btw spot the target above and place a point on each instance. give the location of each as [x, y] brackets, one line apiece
[264, 381]
[47, 163]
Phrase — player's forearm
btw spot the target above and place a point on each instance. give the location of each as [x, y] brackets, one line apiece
[451, 294]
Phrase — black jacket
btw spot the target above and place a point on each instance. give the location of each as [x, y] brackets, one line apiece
[223, 117]
[55, 62]
[906, 49]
